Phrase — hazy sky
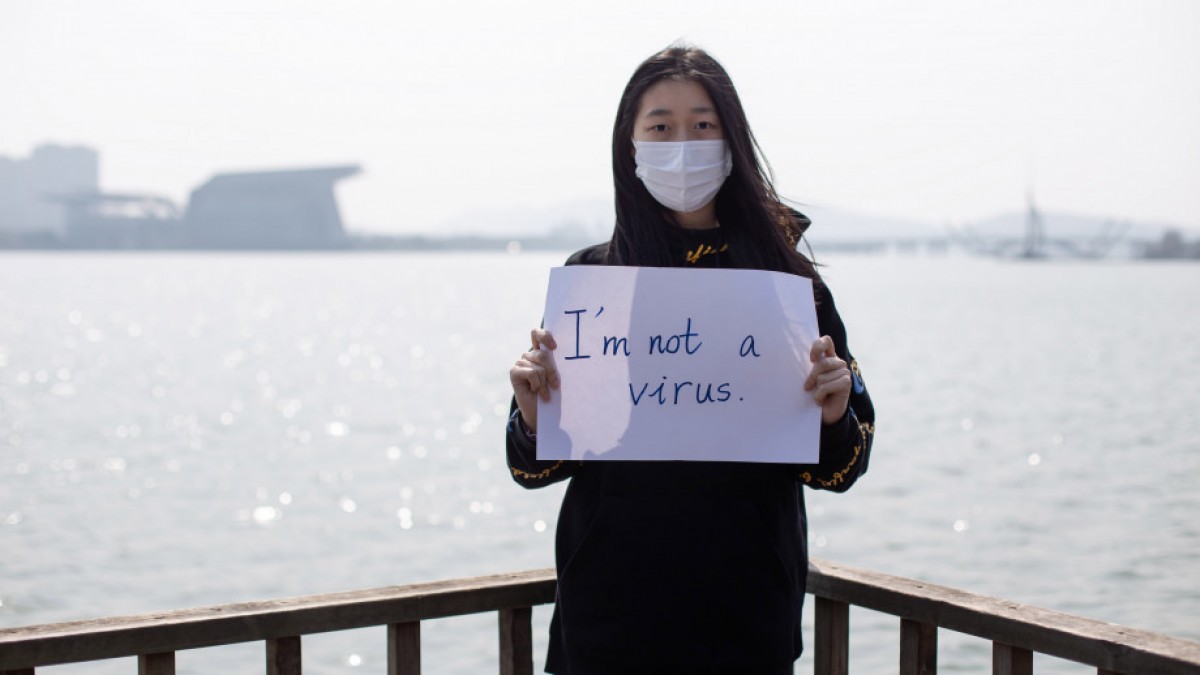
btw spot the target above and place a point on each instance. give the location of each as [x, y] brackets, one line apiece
[940, 111]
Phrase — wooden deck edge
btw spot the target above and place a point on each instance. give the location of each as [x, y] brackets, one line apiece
[1096, 643]
[1107, 646]
[113, 637]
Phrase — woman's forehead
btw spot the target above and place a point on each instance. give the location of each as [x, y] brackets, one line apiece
[675, 97]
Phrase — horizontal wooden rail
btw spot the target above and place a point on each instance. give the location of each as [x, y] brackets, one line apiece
[95, 639]
[1021, 628]
[1016, 630]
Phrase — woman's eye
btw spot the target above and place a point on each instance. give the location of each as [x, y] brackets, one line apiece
[706, 125]
[659, 128]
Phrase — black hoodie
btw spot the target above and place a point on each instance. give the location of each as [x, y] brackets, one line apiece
[695, 567]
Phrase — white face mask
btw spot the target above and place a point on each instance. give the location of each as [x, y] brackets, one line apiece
[683, 175]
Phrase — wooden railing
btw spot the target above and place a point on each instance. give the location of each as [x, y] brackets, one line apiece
[1016, 630]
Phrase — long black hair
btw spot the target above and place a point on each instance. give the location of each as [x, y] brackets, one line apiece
[761, 231]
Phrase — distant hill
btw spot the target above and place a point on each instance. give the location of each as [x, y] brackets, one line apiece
[1067, 225]
[591, 219]
[840, 226]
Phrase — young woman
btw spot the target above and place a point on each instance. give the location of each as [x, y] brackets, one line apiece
[690, 567]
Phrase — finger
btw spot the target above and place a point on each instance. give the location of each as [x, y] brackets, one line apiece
[821, 347]
[527, 376]
[542, 338]
[821, 367]
[541, 382]
[531, 369]
[828, 365]
[836, 382]
[537, 378]
[839, 386]
[540, 357]
[546, 361]
[824, 371]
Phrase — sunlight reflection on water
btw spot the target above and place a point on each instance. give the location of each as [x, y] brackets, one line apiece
[182, 430]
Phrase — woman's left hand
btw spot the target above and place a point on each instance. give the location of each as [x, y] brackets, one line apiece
[829, 380]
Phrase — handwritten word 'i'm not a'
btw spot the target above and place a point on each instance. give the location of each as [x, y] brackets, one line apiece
[687, 342]
[615, 345]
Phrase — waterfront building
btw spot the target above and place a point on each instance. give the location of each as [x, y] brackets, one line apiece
[32, 189]
[52, 199]
[291, 209]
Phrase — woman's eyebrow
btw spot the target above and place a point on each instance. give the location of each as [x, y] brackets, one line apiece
[665, 112]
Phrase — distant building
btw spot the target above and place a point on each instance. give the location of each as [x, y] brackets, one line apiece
[32, 189]
[1171, 246]
[121, 221]
[294, 209]
[52, 200]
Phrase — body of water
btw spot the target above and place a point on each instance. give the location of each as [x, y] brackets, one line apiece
[192, 429]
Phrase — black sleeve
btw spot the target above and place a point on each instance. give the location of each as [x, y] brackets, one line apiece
[526, 468]
[845, 444]
[521, 449]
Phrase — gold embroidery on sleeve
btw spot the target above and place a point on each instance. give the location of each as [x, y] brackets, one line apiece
[536, 476]
[865, 431]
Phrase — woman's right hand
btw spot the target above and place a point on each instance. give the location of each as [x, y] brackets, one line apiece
[534, 375]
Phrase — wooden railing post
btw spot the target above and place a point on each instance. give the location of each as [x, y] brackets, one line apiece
[156, 664]
[918, 648]
[283, 656]
[832, 656]
[404, 648]
[516, 641]
[1009, 660]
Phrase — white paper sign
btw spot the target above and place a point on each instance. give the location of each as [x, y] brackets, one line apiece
[680, 364]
